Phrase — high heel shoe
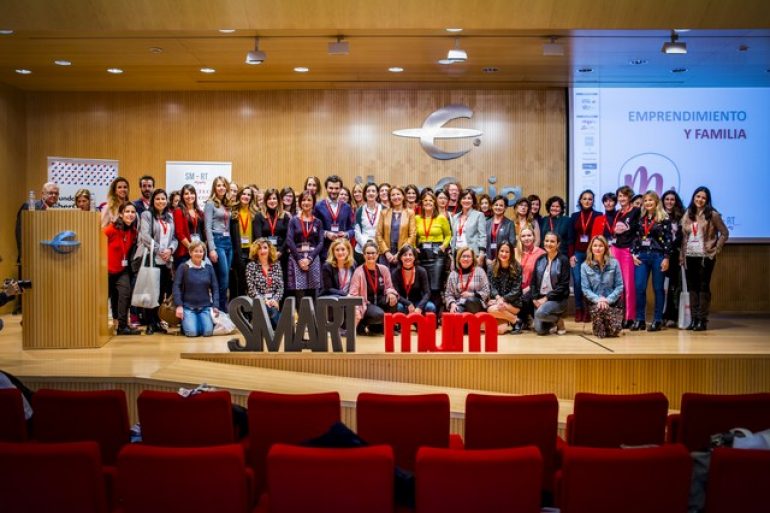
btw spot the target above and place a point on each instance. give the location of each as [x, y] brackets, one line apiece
[654, 326]
[637, 325]
[700, 326]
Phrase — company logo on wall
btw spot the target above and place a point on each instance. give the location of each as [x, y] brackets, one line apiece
[433, 128]
[650, 171]
[62, 242]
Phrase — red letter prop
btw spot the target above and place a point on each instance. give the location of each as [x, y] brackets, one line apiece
[453, 326]
[426, 331]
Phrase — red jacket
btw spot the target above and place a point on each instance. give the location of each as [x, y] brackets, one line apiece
[119, 245]
[182, 231]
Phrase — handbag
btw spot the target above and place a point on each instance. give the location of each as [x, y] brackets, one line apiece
[167, 309]
[685, 316]
[147, 288]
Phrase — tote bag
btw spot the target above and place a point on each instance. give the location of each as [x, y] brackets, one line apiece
[684, 304]
[147, 288]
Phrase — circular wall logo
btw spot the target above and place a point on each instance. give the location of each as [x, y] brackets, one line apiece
[650, 171]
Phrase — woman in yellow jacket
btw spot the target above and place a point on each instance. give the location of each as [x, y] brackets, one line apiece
[395, 229]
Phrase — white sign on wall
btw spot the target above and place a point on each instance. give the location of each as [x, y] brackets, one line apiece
[72, 174]
[199, 174]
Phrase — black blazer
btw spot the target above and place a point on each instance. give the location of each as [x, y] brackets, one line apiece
[419, 294]
[330, 280]
[560, 271]
[262, 229]
[506, 232]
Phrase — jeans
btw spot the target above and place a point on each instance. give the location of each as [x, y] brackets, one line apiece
[651, 261]
[549, 314]
[623, 256]
[197, 322]
[224, 259]
[580, 257]
[429, 307]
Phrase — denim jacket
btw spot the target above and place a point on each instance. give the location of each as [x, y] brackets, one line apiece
[598, 282]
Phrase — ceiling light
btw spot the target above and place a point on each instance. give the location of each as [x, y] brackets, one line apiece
[256, 56]
[457, 54]
[62, 62]
[679, 70]
[226, 31]
[301, 69]
[208, 70]
[445, 62]
[23, 71]
[6, 32]
[115, 71]
[454, 29]
[340, 47]
[674, 46]
[553, 49]
[395, 69]
[156, 49]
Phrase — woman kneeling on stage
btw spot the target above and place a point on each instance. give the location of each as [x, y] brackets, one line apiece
[550, 287]
[467, 289]
[196, 292]
[264, 278]
[602, 284]
[372, 282]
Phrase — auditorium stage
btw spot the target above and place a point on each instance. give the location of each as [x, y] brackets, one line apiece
[733, 357]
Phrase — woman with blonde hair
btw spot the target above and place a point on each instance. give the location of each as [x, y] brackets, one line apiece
[217, 221]
[650, 251]
[357, 196]
[195, 293]
[116, 195]
[243, 232]
[602, 285]
[338, 269]
[522, 218]
[264, 278]
[83, 200]
[527, 254]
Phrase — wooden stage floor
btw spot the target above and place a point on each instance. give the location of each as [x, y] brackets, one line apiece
[732, 357]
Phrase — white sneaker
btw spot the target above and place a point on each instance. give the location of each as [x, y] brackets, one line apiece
[560, 328]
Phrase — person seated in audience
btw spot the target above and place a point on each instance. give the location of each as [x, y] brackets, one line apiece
[505, 287]
[602, 284]
[527, 253]
[372, 283]
[264, 278]
[196, 293]
[550, 287]
[412, 283]
[467, 289]
[337, 271]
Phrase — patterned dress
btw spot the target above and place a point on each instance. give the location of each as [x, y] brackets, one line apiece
[304, 240]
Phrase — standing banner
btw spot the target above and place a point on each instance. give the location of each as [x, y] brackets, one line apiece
[72, 174]
[200, 174]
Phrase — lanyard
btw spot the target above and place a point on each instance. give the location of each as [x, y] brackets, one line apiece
[427, 228]
[343, 277]
[611, 228]
[647, 226]
[307, 227]
[454, 210]
[407, 283]
[695, 228]
[244, 222]
[372, 217]
[464, 288]
[583, 222]
[334, 213]
[268, 277]
[163, 225]
[126, 238]
[622, 214]
[462, 224]
[272, 224]
[550, 222]
[495, 229]
[372, 280]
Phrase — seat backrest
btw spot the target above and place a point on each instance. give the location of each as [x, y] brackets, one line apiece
[13, 426]
[405, 422]
[500, 421]
[65, 478]
[287, 419]
[703, 415]
[601, 480]
[738, 480]
[199, 420]
[330, 480]
[153, 479]
[67, 416]
[450, 480]
[603, 420]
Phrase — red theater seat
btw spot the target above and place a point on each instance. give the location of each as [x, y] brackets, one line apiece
[13, 426]
[646, 480]
[500, 421]
[490, 480]
[171, 420]
[405, 422]
[305, 479]
[703, 415]
[60, 478]
[286, 419]
[601, 420]
[183, 480]
[66, 416]
[738, 481]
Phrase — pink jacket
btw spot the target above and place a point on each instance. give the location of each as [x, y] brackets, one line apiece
[359, 287]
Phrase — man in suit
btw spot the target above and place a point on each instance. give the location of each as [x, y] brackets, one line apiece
[50, 197]
[336, 216]
[146, 186]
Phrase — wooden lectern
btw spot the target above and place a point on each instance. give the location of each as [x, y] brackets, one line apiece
[66, 308]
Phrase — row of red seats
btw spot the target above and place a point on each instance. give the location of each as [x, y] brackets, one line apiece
[68, 478]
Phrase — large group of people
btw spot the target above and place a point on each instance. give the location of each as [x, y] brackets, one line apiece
[406, 249]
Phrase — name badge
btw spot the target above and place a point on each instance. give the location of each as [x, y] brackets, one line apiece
[427, 245]
[195, 238]
[269, 296]
[335, 228]
[613, 241]
[646, 243]
[305, 247]
[245, 240]
[124, 262]
[493, 245]
[584, 238]
[273, 240]
[461, 243]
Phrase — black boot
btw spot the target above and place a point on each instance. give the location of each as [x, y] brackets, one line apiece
[700, 325]
[637, 325]
[693, 323]
[654, 326]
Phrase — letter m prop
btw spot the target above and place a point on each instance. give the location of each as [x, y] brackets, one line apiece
[426, 331]
[453, 327]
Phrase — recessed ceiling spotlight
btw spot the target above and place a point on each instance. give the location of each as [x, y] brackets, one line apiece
[23, 71]
[674, 46]
[395, 69]
[301, 69]
[156, 49]
[226, 31]
[6, 32]
[637, 62]
[115, 71]
[62, 62]
[454, 30]
[743, 48]
[585, 70]
[208, 70]
[490, 69]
